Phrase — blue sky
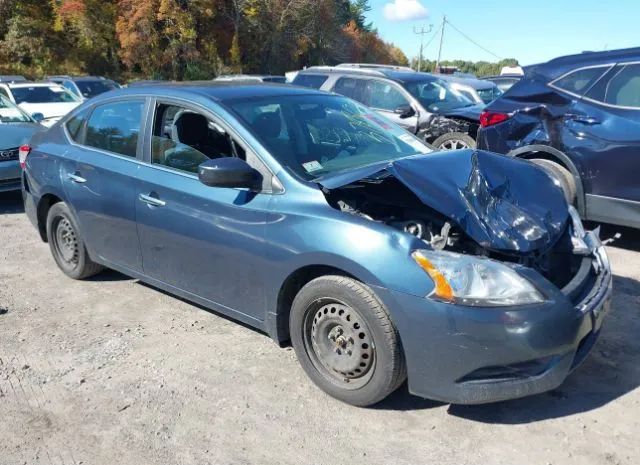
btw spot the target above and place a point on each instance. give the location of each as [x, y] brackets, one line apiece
[530, 31]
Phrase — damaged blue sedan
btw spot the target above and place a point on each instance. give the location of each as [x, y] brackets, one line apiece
[319, 222]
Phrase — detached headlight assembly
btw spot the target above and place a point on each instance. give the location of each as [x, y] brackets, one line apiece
[475, 281]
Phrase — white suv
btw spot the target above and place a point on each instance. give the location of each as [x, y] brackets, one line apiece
[45, 101]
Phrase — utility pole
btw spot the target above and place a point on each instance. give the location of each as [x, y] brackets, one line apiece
[421, 31]
[444, 21]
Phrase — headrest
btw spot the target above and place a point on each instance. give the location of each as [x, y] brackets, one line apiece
[268, 125]
[190, 128]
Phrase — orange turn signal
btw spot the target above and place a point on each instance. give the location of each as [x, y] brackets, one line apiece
[443, 289]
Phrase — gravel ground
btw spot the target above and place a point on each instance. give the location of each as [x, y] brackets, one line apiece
[111, 371]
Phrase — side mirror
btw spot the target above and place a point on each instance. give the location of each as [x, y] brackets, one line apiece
[38, 117]
[405, 111]
[228, 172]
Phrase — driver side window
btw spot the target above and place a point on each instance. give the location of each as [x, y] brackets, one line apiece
[183, 139]
[383, 96]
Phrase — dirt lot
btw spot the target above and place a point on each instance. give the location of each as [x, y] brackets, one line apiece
[111, 371]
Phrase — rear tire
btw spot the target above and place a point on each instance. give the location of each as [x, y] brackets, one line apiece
[345, 340]
[454, 141]
[66, 244]
[560, 174]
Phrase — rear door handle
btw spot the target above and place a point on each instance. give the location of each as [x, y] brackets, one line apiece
[152, 201]
[583, 119]
[77, 179]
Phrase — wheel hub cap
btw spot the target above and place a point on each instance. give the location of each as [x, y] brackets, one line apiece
[341, 342]
[67, 241]
[454, 144]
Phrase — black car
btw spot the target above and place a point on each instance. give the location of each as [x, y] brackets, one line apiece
[579, 117]
[85, 87]
[424, 104]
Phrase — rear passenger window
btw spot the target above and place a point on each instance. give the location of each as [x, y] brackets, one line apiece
[349, 88]
[313, 81]
[621, 87]
[580, 80]
[115, 127]
[383, 96]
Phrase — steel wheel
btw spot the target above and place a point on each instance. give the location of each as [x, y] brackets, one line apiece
[66, 241]
[339, 343]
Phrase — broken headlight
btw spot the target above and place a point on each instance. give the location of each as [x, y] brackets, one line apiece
[475, 281]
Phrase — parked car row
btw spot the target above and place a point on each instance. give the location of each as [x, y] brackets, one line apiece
[424, 104]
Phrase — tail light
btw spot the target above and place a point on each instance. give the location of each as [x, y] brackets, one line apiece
[22, 155]
[489, 118]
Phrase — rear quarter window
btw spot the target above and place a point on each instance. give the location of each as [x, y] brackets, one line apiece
[314, 81]
[579, 81]
[75, 124]
[620, 88]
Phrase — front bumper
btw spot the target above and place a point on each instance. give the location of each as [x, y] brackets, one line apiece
[471, 355]
[10, 173]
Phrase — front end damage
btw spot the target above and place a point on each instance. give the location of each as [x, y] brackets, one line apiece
[478, 204]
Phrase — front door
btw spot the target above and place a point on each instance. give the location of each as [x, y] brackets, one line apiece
[202, 240]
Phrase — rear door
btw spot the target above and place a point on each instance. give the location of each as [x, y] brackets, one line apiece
[603, 127]
[204, 241]
[101, 184]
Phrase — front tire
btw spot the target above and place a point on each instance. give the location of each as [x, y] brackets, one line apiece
[454, 141]
[345, 340]
[67, 245]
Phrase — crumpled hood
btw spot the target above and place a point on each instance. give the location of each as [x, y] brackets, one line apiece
[14, 135]
[502, 203]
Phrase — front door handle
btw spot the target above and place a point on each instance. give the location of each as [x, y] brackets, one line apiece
[153, 201]
[77, 179]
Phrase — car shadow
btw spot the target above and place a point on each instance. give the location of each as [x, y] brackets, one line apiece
[11, 203]
[109, 276]
[608, 373]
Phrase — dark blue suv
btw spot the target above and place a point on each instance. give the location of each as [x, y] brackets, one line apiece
[579, 118]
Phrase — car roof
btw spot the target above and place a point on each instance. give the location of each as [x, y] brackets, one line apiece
[220, 91]
[558, 66]
[79, 78]
[471, 82]
[14, 85]
[396, 75]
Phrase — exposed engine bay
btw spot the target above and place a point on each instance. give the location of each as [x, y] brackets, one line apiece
[386, 200]
[441, 125]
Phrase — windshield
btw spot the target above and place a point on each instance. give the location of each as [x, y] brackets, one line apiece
[92, 88]
[9, 113]
[489, 95]
[437, 95]
[42, 94]
[315, 135]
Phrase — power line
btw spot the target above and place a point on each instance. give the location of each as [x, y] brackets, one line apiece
[471, 40]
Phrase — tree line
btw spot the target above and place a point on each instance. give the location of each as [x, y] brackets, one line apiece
[477, 68]
[185, 39]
